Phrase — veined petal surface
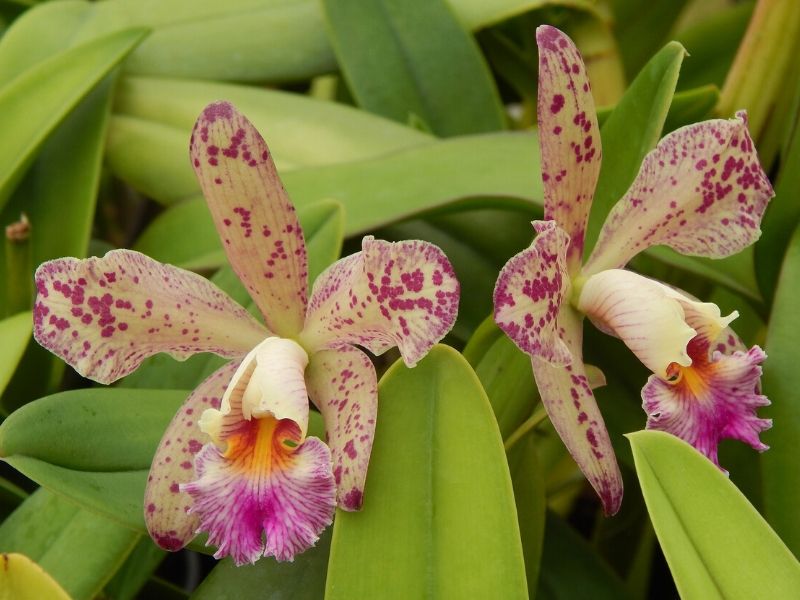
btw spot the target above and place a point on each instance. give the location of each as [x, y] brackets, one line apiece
[342, 383]
[264, 490]
[567, 396]
[402, 294]
[701, 191]
[255, 218]
[165, 506]
[529, 293]
[642, 313]
[713, 399]
[569, 137]
[104, 316]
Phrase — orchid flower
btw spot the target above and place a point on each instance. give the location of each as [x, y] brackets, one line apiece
[702, 192]
[235, 461]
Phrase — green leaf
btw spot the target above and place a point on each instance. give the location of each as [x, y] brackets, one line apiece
[268, 579]
[58, 84]
[571, 568]
[642, 27]
[450, 174]
[134, 573]
[92, 446]
[242, 40]
[439, 517]
[707, 528]
[22, 579]
[411, 58]
[301, 131]
[632, 130]
[781, 478]
[529, 497]
[781, 218]
[79, 549]
[712, 44]
[16, 333]
[505, 374]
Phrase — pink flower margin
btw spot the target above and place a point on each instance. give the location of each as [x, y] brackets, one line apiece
[702, 192]
[235, 461]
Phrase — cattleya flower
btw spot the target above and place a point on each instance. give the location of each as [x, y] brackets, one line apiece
[235, 461]
[702, 192]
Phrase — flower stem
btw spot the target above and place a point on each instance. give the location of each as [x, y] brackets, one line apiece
[529, 424]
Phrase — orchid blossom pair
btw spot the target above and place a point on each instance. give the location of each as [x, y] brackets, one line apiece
[235, 460]
[702, 192]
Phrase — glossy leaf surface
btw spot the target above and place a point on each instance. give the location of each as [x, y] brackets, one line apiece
[707, 528]
[439, 517]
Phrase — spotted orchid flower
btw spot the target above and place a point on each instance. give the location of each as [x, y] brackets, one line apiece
[702, 192]
[235, 461]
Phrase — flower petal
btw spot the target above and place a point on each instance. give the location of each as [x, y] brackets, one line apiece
[104, 316]
[655, 321]
[714, 399]
[701, 192]
[253, 214]
[569, 137]
[267, 483]
[165, 505]
[402, 294]
[572, 408]
[343, 385]
[529, 293]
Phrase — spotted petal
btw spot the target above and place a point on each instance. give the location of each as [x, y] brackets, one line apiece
[402, 294]
[701, 192]
[567, 396]
[343, 385]
[569, 137]
[264, 491]
[253, 214]
[529, 293]
[713, 399]
[165, 505]
[104, 316]
[655, 321]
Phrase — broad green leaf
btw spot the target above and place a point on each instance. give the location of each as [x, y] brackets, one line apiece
[442, 175]
[642, 27]
[58, 84]
[301, 131]
[139, 566]
[23, 579]
[407, 59]
[438, 518]
[712, 44]
[781, 477]
[707, 528]
[302, 579]
[529, 497]
[92, 446]
[781, 218]
[79, 549]
[16, 333]
[505, 374]
[571, 568]
[11, 496]
[242, 40]
[632, 130]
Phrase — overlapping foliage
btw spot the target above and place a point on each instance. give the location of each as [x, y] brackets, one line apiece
[407, 120]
